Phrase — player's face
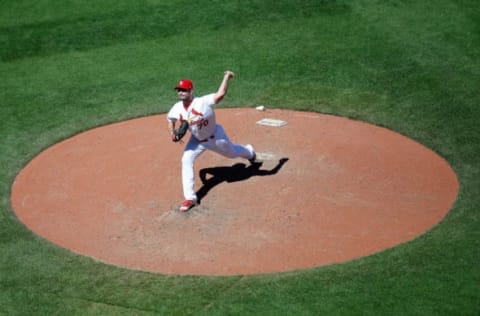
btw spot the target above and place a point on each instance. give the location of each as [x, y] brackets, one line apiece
[184, 94]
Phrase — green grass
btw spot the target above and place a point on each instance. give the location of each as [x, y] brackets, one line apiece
[413, 67]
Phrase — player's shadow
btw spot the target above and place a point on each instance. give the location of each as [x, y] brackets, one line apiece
[237, 172]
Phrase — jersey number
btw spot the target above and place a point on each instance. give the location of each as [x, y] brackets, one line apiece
[201, 123]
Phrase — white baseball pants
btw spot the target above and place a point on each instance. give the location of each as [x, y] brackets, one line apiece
[219, 143]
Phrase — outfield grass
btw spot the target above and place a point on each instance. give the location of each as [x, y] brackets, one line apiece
[68, 66]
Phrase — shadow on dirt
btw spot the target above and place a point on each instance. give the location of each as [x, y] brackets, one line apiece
[234, 173]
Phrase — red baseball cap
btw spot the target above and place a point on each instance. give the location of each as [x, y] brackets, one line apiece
[184, 84]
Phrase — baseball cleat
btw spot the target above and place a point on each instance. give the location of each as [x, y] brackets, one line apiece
[254, 157]
[186, 205]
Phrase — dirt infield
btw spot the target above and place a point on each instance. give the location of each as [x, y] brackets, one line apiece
[329, 190]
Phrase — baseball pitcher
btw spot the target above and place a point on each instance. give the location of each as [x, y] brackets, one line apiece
[197, 115]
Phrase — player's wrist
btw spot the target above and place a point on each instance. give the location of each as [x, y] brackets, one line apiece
[228, 74]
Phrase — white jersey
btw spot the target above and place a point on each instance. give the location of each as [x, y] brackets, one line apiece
[200, 116]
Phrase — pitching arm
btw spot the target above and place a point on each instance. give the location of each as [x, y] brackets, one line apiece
[222, 89]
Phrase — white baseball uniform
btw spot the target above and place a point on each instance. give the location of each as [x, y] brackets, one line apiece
[205, 134]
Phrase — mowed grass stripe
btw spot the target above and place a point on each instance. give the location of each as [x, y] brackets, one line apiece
[140, 22]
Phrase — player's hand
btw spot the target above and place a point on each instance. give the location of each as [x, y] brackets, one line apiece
[229, 74]
[174, 137]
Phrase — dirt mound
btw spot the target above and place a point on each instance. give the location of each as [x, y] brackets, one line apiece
[328, 190]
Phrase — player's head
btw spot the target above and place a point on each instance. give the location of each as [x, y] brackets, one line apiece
[184, 84]
[184, 89]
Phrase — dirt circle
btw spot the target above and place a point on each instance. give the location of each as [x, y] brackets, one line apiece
[329, 190]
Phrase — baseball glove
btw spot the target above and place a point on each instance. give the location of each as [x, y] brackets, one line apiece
[181, 131]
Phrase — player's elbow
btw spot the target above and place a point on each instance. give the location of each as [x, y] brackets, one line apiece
[219, 96]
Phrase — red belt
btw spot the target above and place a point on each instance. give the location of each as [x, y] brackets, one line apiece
[206, 139]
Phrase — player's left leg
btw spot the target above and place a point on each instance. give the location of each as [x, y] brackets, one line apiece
[223, 146]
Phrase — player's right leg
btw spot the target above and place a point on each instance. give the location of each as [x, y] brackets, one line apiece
[192, 151]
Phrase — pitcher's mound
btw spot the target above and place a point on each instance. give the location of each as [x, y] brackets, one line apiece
[328, 190]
